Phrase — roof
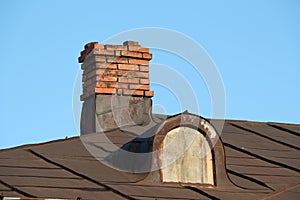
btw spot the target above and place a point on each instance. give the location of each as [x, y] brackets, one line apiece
[262, 161]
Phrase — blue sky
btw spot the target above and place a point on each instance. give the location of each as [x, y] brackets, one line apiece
[255, 45]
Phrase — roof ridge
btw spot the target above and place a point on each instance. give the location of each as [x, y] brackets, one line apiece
[37, 144]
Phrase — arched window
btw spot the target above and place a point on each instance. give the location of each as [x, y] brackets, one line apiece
[186, 157]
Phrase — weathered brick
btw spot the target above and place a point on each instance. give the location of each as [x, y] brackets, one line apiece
[105, 90]
[128, 67]
[131, 54]
[89, 88]
[133, 92]
[136, 74]
[101, 59]
[94, 73]
[92, 45]
[81, 58]
[122, 73]
[144, 68]
[127, 43]
[114, 47]
[117, 60]
[107, 78]
[117, 53]
[144, 81]
[88, 50]
[101, 72]
[138, 49]
[122, 85]
[116, 69]
[98, 51]
[106, 66]
[148, 93]
[128, 80]
[142, 75]
[110, 73]
[147, 56]
[111, 84]
[97, 45]
[139, 87]
[138, 62]
[101, 84]
[90, 81]
[130, 74]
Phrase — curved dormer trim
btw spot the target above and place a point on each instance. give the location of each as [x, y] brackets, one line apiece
[185, 132]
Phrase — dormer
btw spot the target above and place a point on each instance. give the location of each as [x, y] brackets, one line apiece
[188, 150]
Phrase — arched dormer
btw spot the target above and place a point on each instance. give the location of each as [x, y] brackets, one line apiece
[188, 151]
[186, 157]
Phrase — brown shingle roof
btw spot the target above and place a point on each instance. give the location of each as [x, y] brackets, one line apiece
[262, 160]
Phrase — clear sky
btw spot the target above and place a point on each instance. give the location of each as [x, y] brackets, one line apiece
[254, 44]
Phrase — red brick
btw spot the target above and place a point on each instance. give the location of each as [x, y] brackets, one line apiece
[131, 54]
[100, 59]
[128, 67]
[144, 81]
[133, 92]
[138, 49]
[144, 68]
[139, 87]
[107, 52]
[98, 51]
[106, 66]
[136, 74]
[117, 53]
[138, 92]
[94, 73]
[115, 47]
[101, 84]
[147, 56]
[130, 74]
[110, 73]
[105, 90]
[101, 51]
[128, 80]
[107, 78]
[138, 62]
[91, 45]
[90, 48]
[111, 84]
[117, 60]
[122, 73]
[122, 85]
[148, 93]
[97, 45]
[100, 72]
[142, 74]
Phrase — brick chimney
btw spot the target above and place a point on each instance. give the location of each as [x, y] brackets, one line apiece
[116, 86]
